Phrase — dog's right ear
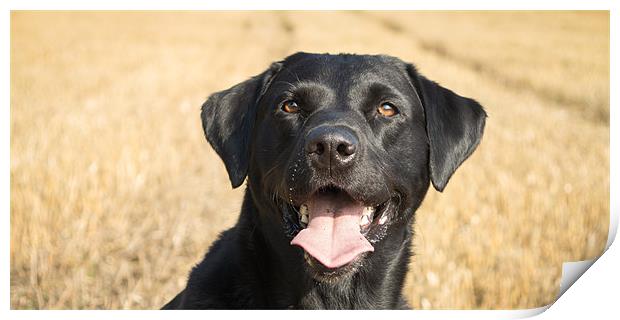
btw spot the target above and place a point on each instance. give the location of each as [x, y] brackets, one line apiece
[228, 118]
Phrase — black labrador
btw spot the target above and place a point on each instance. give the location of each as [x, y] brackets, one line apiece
[339, 151]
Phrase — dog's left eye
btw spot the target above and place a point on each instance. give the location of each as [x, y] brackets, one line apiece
[387, 109]
[290, 106]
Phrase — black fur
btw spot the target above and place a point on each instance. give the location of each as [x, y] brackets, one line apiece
[253, 265]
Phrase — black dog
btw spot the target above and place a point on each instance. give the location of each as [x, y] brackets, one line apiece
[339, 151]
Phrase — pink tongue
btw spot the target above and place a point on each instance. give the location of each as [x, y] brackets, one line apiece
[333, 234]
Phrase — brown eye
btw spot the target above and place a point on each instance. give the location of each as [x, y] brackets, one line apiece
[387, 110]
[290, 106]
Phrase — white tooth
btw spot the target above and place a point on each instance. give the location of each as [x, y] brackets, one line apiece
[383, 219]
[364, 221]
[304, 219]
[368, 211]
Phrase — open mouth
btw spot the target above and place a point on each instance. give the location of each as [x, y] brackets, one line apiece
[334, 228]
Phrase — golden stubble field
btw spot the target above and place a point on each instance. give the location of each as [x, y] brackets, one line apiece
[115, 194]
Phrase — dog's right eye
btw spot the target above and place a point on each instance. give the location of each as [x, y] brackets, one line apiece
[290, 106]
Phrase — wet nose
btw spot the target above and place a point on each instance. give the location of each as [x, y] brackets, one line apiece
[331, 147]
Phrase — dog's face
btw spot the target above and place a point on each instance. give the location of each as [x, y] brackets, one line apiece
[340, 149]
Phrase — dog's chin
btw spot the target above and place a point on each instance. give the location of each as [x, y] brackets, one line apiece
[321, 273]
[337, 232]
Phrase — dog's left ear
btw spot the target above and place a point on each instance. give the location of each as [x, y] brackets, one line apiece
[454, 125]
[228, 118]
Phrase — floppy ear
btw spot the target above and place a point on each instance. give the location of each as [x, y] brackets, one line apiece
[454, 125]
[228, 118]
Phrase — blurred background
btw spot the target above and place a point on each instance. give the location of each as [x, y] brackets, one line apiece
[115, 193]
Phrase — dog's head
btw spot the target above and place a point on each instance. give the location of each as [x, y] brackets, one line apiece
[340, 149]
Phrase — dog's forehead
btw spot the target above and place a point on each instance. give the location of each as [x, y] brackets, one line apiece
[343, 69]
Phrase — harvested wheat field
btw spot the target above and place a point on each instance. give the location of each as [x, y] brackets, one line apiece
[115, 193]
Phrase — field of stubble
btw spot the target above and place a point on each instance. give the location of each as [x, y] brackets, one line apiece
[115, 194]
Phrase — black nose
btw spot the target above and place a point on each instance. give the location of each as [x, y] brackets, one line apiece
[331, 147]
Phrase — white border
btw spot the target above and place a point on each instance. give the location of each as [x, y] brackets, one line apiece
[311, 5]
[599, 289]
[4, 161]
